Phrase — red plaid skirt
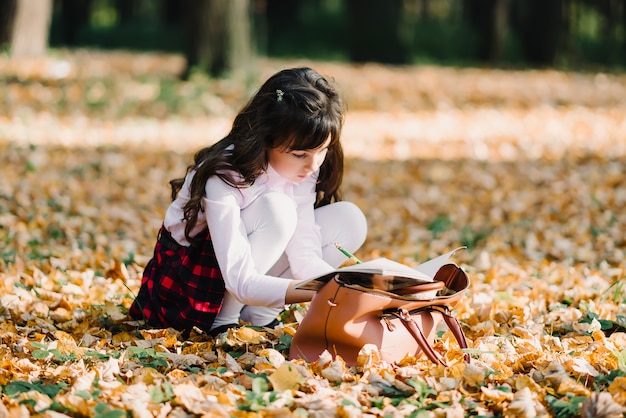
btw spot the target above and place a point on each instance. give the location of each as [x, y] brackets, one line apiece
[182, 287]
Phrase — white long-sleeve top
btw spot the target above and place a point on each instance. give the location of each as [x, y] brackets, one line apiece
[222, 213]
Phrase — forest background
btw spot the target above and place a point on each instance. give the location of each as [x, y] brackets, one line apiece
[497, 124]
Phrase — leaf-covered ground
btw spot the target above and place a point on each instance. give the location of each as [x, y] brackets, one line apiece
[526, 168]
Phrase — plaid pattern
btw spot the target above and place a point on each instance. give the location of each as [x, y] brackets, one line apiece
[182, 287]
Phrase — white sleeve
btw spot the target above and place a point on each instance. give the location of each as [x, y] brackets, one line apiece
[222, 209]
[304, 250]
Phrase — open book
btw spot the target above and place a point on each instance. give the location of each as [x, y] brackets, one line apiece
[365, 274]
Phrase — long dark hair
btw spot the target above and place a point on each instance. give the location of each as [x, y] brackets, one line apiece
[295, 109]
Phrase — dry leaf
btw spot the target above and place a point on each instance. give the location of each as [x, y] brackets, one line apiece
[601, 405]
[248, 335]
[617, 389]
[474, 374]
[522, 405]
[286, 377]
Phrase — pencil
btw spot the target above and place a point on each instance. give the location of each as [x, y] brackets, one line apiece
[347, 253]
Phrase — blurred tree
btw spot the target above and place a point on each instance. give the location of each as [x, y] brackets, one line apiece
[539, 24]
[218, 36]
[281, 14]
[7, 14]
[126, 11]
[378, 32]
[610, 12]
[74, 17]
[171, 11]
[489, 20]
[424, 9]
[623, 26]
[31, 24]
[260, 26]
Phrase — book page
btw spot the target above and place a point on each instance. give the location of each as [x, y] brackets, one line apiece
[432, 266]
[372, 273]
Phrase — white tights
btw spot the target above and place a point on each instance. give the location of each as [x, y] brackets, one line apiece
[265, 223]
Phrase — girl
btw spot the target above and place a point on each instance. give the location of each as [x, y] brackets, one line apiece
[256, 209]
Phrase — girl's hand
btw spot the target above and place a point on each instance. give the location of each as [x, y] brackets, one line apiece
[294, 295]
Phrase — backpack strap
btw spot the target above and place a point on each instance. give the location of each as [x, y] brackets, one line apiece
[415, 331]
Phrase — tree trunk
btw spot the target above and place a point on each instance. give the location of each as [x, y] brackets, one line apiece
[239, 51]
[7, 16]
[126, 11]
[541, 33]
[571, 12]
[281, 15]
[377, 31]
[171, 12]
[260, 26]
[219, 37]
[609, 13]
[623, 28]
[489, 20]
[197, 44]
[609, 32]
[425, 9]
[31, 27]
[74, 16]
[500, 28]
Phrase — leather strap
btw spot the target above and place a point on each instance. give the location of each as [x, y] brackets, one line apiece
[454, 326]
[415, 331]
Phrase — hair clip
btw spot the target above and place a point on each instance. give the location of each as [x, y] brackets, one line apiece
[279, 95]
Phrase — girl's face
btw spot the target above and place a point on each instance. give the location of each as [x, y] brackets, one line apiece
[297, 165]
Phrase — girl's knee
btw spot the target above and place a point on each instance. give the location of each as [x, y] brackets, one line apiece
[343, 221]
[352, 215]
[278, 213]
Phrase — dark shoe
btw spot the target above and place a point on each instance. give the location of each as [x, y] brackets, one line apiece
[222, 328]
[272, 324]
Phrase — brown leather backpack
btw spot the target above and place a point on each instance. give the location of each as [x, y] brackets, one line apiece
[344, 316]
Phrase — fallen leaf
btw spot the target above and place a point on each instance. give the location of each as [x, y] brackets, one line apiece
[286, 377]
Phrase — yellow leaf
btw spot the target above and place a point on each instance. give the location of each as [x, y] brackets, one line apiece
[40, 402]
[271, 356]
[177, 374]
[335, 371]
[286, 377]
[473, 374]
[522, 405]
[223, 399]
[523, 382]
[6, 373]
[167, 337]
[617, 388]
[494, 395]
[572, 386]
[248, 335]
[581, 367]
[66, 343]
[369, 356]
[124, 337]
[147, 375]
[118, 271]
[114, 312]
